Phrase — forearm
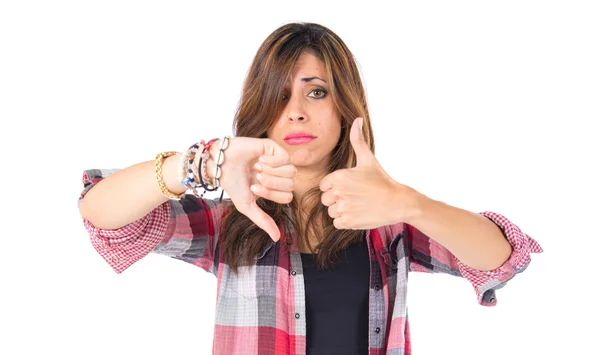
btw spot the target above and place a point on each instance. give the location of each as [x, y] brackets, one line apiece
[129, 194]
[473, 239]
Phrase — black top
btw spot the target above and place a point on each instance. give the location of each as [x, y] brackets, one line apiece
[337, 303]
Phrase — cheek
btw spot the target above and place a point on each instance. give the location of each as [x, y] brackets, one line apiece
[334, 126]
[275, 129]
[332, 129]
[271, 131]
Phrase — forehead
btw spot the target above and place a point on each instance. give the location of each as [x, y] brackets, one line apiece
[308, 65]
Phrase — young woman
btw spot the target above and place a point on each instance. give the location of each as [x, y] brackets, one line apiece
[313, 247]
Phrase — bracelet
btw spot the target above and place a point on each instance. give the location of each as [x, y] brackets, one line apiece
[190, 180]
[203, 166]
[203, 183]
[190, 175]
[188, 170]
[224, 145]
[204, 161]
[158, 163]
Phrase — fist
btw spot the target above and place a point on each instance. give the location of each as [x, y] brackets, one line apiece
[253, 168]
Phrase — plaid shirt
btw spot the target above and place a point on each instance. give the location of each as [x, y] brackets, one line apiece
[262, 309]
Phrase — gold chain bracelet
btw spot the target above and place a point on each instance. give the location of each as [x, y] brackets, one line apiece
[158, 163]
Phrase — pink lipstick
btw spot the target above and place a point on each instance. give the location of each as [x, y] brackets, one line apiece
[295, 138]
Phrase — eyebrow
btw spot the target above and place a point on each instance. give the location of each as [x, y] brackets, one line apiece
[306, 80]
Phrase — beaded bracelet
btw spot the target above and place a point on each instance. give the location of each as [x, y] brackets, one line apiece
[190, 175]
[188, 170]
[190, 180]
[205, 156]
[202, 177]
[203, 174]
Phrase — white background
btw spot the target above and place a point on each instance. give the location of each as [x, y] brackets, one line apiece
[485, 105]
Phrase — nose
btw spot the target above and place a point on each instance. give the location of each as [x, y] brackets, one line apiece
[293, 118]
[295, 110]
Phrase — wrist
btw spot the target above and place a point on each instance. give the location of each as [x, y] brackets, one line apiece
[214, 149]
[213, 154]
[171, 174]
[411, 202]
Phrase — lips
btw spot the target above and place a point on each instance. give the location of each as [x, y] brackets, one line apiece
[295, 138]
[294, 135]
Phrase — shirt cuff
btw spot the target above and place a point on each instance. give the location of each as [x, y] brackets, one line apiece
[487, 282]
[122, 247]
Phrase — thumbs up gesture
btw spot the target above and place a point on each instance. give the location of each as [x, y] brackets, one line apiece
[363, 197]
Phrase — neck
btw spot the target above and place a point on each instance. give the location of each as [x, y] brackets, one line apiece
[307, 177]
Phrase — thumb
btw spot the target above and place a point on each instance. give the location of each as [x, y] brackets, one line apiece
[363, 153]
[263, 220]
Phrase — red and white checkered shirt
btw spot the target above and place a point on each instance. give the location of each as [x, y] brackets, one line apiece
[262, 309]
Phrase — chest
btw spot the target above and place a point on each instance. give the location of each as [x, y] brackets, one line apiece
[343, 284]
[274, 293]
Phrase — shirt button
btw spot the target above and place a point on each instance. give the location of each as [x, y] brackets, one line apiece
[377, 287]
[293, 272]
[115, 259]
[377, 330]
[297, 315]
[492, 300]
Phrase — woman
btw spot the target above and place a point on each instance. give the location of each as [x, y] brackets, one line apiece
[312, 250]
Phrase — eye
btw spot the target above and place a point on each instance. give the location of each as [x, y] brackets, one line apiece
[283, 97]
[322, 92]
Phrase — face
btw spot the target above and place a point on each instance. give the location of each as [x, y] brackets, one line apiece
[309, 112]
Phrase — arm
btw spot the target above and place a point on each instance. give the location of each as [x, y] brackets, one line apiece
[127, 216]
[450, 240]
[471, 237]
[185, 229]
[121, 197]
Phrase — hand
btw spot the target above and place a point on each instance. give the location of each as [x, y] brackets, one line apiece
[239, 173]
[363, 197]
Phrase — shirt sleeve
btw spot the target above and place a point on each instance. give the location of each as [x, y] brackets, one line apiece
[427, 255]
[184, 229]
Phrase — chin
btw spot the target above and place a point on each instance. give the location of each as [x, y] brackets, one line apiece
[304, 158]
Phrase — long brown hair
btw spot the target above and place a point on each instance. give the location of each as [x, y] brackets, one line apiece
[260, 106]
